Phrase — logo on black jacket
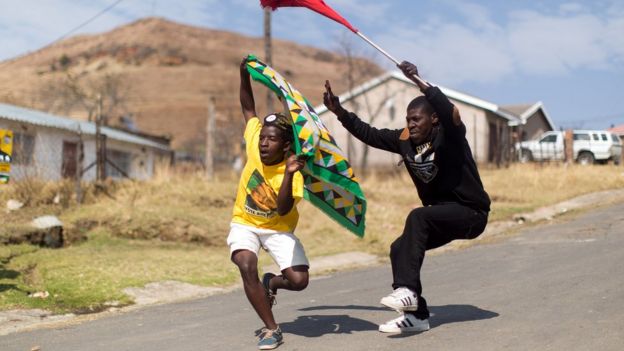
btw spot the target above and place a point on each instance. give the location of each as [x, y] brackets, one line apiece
[422, 164]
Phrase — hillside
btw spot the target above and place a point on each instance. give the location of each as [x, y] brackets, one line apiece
[168, 71]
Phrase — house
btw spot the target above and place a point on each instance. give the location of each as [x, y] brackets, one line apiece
[491, 130]
[533, 120]
[618, 130]
[48, 146]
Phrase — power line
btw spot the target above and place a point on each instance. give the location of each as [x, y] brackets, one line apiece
[108, 8]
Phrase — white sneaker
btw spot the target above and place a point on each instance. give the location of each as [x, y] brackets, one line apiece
[407, 323]
[401, 299]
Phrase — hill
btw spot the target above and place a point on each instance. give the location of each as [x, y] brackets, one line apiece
[167, 71]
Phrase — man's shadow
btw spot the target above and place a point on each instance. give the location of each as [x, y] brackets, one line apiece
[458, 313]
[319, 325]
[313, 326]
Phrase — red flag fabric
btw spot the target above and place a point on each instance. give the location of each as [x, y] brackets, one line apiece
[318, 6]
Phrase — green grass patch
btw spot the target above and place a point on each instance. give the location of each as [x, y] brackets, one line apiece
[84, 277]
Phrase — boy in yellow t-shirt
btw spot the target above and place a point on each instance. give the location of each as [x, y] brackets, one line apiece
[265, 213]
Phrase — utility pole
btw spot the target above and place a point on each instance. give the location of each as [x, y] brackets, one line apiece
[210, 134]
[100, 156]
[79, 162]
[268, 57]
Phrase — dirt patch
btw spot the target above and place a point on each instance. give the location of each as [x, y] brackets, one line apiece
[168, 291]
[18, 320]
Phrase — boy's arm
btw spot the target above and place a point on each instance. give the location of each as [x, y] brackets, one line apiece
[285, 199]
[246, 93]
[384, 139]
[448, 114]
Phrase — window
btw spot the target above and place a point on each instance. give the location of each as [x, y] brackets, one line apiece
[615, 138]
[595, 136]
[604, 137]
[121, 159]
[23, 148]
[581, 136]
[549, 139]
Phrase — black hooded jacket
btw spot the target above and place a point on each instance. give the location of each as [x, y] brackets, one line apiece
[443, 170]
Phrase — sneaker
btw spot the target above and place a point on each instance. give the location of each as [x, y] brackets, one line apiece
[266, 278]
[401, 299]
[407, 323]
[270, 339]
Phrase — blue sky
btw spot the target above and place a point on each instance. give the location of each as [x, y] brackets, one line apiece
[567, 54]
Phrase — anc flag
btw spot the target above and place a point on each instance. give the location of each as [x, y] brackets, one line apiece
[329, 182]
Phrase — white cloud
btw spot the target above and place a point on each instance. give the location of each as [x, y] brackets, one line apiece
[556, 44]
[32, 24]
[477, 16]
[369, 11]
[451, 54]
[477, 47]
[571, 7]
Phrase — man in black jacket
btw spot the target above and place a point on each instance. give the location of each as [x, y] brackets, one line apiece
[437, 156]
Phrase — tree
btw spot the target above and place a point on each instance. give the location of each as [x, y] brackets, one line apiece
[359, 64]
[70, 92]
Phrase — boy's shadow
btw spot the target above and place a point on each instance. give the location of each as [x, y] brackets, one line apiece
[318, 325]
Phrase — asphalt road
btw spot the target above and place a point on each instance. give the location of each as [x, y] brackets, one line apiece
[557, 286]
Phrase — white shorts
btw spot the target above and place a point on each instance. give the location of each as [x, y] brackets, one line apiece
[285, 249]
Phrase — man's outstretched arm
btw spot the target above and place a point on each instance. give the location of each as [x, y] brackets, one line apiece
[246, 93]
[448, 114]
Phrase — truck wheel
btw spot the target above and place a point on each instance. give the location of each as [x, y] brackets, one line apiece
[585, 158]
[525, 156]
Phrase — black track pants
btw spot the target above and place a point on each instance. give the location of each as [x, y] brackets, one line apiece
[427, 228]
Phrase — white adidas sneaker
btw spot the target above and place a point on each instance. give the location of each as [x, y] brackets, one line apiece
[406, 323]
[401, 299]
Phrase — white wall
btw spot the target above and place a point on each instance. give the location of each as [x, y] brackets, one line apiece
[48, 152]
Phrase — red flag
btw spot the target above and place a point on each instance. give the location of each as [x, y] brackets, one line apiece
[318, 6]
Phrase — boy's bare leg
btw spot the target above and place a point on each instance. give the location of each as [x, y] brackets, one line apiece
[293, 278]
[247, 263]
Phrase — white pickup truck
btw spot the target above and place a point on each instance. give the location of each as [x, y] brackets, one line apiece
[588, 146]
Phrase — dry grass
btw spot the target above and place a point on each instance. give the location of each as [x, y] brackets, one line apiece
[529, 186]
[174, 227]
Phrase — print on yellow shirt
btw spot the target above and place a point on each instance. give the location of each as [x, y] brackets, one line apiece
[261, 198]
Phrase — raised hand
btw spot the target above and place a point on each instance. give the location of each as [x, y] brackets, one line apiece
[411, 72]
[331, 101]
[247, 101]
[409, 69]
[295, 163]
[243, 68]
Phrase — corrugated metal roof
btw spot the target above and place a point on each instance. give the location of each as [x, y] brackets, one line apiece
[619, 130]
[39, 118]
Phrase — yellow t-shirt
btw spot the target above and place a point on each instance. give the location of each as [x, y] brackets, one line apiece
[256, 200]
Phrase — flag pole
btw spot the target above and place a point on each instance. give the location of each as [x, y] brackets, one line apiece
[386, 54]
